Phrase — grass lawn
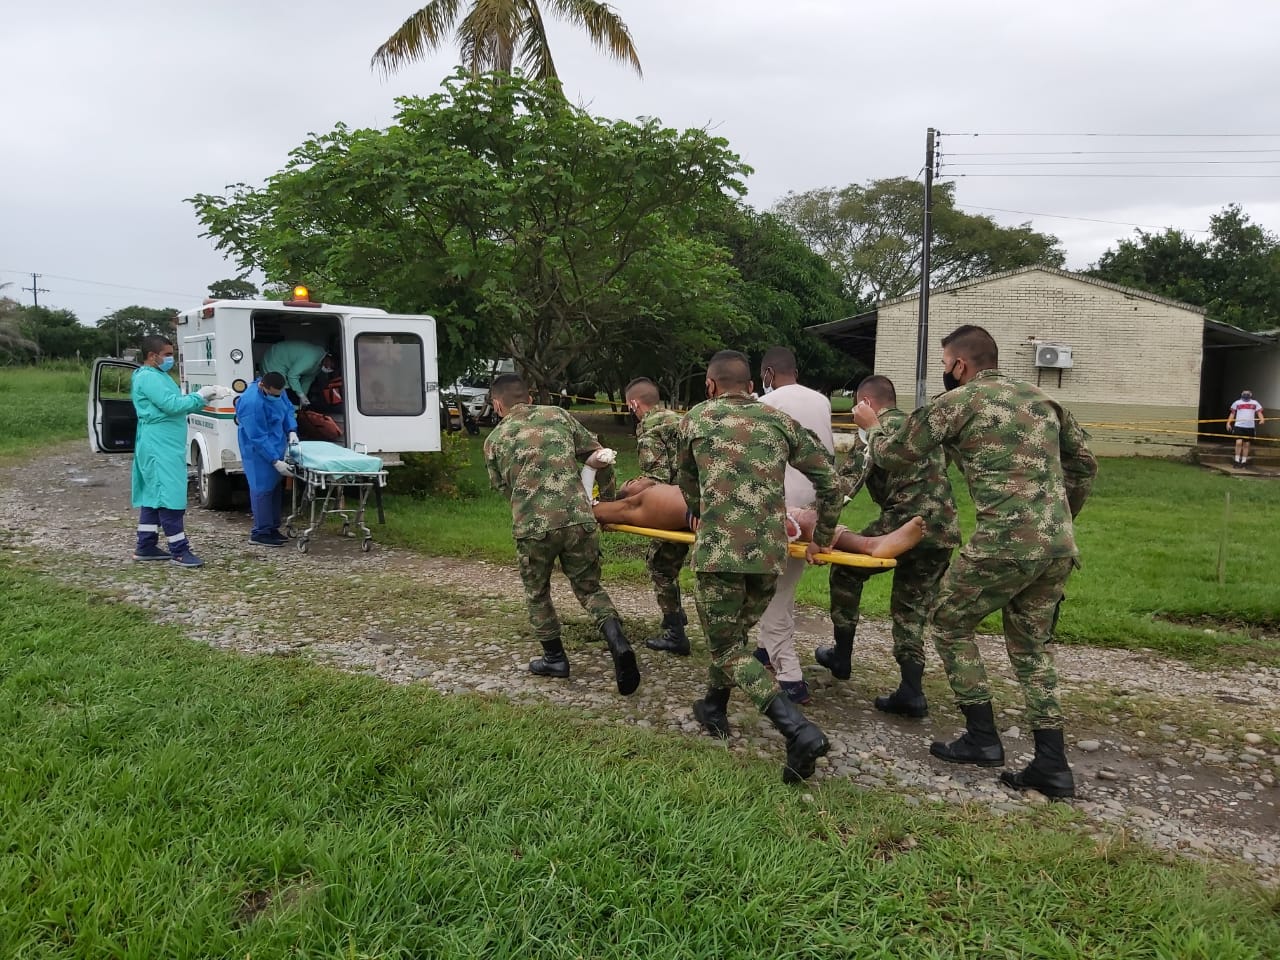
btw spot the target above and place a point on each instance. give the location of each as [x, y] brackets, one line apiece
[39, 405]
[161, 799]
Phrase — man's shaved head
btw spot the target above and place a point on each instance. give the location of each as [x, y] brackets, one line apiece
[880, 390]
[509, 389]
[973, 345]
[730, 369]
[779, 360]
[644, 390]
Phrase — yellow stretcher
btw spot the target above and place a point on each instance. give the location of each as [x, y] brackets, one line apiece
[796, 549]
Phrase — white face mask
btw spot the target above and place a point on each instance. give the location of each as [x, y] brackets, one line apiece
[863, 434]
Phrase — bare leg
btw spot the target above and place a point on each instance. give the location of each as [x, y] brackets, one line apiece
[892, 544]
[660, 507]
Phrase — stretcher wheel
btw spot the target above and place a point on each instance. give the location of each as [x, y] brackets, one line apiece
[346, 529]
[290, 532]
[304, 545]
[366, 544]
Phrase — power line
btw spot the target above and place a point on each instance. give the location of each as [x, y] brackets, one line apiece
[1135, 176]
[1063, 216]
[1167, 136]
[35, 289]
[1100, 163]
[101, 283]
[1096, 153]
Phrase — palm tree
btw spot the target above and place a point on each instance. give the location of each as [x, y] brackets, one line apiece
[495, 34]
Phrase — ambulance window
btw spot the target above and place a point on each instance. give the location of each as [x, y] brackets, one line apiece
[390, 379]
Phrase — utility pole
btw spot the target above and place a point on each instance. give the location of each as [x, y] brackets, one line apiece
[35, 290]
[922, 333]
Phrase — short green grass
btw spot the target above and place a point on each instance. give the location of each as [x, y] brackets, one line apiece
[161, 799]
[41, 405]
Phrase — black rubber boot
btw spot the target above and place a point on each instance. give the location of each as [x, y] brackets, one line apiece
[805, 742]
[1048, 772]
[553, 662]
[979, 744]
[908, 700]
[673, 639]
[836, 659]
[711, 712]
[625, 671]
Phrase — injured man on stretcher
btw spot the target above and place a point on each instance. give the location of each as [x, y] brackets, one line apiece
[661, 506]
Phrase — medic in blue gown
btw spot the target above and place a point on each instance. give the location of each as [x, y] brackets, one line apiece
[267, 426]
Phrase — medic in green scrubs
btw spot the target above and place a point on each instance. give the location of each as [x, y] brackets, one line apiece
[160, 453]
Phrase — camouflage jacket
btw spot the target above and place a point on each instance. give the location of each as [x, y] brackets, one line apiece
[733, 454]
[534, 458]
[923, 490]
[658, 444]
[1024, 457]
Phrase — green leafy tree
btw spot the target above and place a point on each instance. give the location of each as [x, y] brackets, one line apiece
[527, 227]
[498, 35]
[1234, 273]
[58, 334]
[15, 345]
[873, 234]
[232, 290]
[126, 326]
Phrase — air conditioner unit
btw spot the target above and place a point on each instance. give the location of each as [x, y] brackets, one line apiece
[1053, 355]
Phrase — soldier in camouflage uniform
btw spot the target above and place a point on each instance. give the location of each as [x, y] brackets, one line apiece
[533, 457]
[658, 447]
[923, 490]
[734, 451]
[1029, 470]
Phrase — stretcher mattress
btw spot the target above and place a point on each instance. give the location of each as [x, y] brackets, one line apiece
[325, 457]
[795, 549]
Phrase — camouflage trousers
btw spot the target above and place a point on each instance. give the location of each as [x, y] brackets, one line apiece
[665, 561]
[729, 605]
[915, 591]
[578, 550]
[1026, 591]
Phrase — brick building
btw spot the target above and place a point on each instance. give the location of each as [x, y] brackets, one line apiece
[1139, 369]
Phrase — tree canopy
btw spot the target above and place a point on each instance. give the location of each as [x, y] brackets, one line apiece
[872, 236]
[498, 35]
[236, 289]
[527, 227]
[1234, 273]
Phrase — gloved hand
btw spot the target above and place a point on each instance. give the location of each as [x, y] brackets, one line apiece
[303, 402]
[208, 393]
[602, 458]
[293, 438]
[282, 468]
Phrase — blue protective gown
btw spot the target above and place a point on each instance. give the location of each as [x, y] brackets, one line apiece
[295, 360]
[160, 451]
[264, 425]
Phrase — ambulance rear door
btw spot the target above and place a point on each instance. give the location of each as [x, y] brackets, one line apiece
[113, 422]
[392, 401]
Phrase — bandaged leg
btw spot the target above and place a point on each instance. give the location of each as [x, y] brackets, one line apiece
[892, 544]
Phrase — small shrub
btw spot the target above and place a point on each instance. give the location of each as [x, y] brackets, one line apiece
[434, 474]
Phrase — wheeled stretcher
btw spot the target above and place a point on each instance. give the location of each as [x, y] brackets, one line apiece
[332, 481]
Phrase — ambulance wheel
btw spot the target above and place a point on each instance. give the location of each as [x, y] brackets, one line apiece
[304, 545]
[214, 487]
[366, 544]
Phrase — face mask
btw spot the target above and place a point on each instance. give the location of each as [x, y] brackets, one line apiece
[326, 369]
[949, 380]
[768, 384]
[1246, 396]
[863, 434]
[166, 364]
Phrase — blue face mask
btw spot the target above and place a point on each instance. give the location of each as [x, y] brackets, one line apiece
[166, 364]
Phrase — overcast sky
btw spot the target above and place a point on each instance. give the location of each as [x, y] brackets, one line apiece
[114, 113]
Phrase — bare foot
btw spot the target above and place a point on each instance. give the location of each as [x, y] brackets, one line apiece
[892, 544]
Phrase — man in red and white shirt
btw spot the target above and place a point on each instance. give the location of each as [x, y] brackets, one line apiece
[1243, 421]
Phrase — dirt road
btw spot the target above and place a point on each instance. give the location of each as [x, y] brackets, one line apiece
[1187, 759]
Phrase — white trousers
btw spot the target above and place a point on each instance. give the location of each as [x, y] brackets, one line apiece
[778, 625]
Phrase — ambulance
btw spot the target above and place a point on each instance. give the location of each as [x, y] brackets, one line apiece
[388, 363]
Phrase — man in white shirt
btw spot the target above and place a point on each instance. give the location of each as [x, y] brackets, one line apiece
[776, 646]
[1243, 421]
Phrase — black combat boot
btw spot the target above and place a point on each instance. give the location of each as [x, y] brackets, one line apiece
[805, 742]
[908, 700]
[836, 659]
[711, 712]
[673, 639]
[979, 744]
[553, 662]
[625, 670]
[1048, 772]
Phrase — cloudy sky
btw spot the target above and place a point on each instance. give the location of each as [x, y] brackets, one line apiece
[114, 113]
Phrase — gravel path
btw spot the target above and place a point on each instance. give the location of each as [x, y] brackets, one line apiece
[1186, 759]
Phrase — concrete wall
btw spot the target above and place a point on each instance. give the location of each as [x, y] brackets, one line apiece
[1259, 370]
[1136, 362]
